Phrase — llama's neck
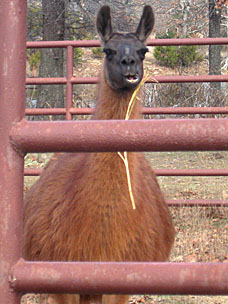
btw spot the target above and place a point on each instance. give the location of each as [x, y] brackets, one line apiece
[109, 167]
[113, 104]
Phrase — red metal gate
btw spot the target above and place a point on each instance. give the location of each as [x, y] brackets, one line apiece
[18, 136]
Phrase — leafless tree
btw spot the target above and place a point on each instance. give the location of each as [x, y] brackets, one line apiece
[214, 50]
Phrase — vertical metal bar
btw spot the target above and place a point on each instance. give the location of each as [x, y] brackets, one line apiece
[69, 85]
[12, 102]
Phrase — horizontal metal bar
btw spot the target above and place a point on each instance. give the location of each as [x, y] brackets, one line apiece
[158, 172]
[61, 80]
[85, 80]
[151, 42]
[121, 278]
[196, 202]
[49, 80]
[186, 110]
[191, 172]
[150, 111]
[82, 111]
[152, 79]
[45, 111]
[61, 44]
[190, 78]
[120, 135]
[187, 41]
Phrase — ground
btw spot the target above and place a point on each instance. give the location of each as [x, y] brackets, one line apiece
[201, 232]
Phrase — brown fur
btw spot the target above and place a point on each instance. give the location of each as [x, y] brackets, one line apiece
[80, 209]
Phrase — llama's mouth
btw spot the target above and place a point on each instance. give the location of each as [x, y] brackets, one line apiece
[132, 79]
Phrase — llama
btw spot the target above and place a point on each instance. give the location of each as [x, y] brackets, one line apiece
[80, 208]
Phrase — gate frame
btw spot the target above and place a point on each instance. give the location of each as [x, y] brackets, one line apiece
[12, 109]
[18, 276]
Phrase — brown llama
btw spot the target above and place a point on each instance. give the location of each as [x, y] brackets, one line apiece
[80, 208]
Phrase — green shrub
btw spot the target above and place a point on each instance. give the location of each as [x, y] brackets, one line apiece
[166, 55]
[188, 54]
[172, 56]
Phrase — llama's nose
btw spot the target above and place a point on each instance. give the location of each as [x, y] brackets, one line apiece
[127, 61]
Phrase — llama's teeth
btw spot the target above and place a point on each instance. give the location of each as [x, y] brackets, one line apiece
[132, 80]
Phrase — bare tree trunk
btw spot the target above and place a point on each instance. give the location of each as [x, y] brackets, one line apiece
[214, 50]
[185, 8]
[52, 60]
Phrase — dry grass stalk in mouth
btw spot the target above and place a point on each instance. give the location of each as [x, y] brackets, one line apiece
[127, 117]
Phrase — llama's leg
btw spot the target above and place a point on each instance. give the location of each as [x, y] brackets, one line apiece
[115, 299]
[86, 299]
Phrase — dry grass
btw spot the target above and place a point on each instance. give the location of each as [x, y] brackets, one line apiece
[201, 232]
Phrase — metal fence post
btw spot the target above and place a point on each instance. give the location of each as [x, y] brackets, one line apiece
[12, 103]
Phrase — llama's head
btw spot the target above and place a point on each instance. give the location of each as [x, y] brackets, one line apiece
[125, 52]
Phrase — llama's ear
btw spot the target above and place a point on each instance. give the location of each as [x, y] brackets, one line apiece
[146, 23]
[104, 23]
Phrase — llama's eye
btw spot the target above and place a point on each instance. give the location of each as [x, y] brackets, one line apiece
[109, 53]
[142, 53]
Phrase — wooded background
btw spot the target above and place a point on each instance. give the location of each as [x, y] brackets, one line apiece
[75, 19]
